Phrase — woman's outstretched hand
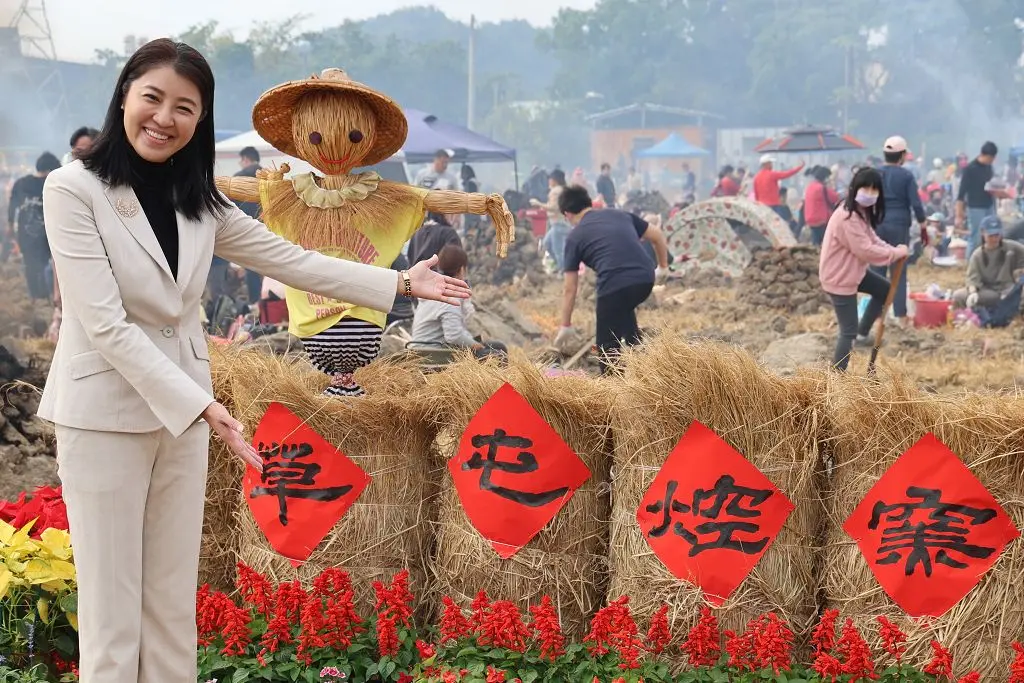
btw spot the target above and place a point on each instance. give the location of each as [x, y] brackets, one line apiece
[229, 430]
[433, 286]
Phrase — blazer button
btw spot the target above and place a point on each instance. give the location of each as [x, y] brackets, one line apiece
[168, 332]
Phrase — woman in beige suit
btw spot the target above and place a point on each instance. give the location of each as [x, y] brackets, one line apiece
[133, 227]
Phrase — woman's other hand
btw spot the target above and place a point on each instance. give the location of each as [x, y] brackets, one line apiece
[229, 430]
[433, 286]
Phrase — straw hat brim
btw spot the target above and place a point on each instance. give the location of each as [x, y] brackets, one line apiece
[272, 115]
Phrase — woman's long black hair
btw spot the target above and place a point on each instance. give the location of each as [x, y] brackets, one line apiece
[193, 187]
[866, 177]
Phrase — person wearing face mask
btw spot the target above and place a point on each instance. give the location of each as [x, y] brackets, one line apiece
[133, 226]
[849, 247]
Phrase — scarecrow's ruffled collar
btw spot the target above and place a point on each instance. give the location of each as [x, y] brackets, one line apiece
[317, 197]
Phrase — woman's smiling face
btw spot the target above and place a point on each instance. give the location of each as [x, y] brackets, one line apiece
[161, 112]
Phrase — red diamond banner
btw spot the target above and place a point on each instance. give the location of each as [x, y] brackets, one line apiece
[513, 472]
[306, 486]
[929, 529]
[710, 515]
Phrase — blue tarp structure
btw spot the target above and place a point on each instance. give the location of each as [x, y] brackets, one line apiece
[1017, 150]
[427, 134]
[673, 146]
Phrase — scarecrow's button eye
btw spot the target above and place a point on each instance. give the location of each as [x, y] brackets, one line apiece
[356, 136]
[316, 138]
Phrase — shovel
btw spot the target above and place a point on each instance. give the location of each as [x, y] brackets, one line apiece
[897, 271]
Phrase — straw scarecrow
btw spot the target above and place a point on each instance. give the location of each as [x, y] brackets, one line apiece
[336, 125]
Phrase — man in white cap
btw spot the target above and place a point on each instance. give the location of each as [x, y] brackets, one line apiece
[902, 206]
[766, 183]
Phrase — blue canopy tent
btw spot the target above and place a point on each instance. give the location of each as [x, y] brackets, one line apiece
[674, 146]
[427, 134]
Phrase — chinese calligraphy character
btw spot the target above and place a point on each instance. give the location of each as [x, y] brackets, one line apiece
[286, 477]
[725, 494]
[945, 531]
[526, 462]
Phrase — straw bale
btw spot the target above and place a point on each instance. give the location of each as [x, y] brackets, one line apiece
[388, 528]
[567, 560]
[873, 424]
[771, 421]
[218, 553]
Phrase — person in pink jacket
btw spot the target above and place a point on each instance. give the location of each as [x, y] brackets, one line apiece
[850, 246]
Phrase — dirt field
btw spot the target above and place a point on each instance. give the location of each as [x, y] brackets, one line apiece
[943, 360]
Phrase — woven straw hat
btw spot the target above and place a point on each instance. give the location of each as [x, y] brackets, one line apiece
[272, 115]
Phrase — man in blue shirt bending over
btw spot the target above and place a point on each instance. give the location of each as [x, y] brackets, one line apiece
[609, 242]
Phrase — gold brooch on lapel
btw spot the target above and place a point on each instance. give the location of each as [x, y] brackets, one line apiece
[127, 208]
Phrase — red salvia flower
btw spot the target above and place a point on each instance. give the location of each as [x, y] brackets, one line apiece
[1017, 666]
[504, 627]
[235, 630]
[495, 675]
[332, 583]
[387, 636]
[311, 637]
[425, 649]
[206, 618]
[703, 644]
[893, 638]
[395, 601]
[740, 649]
[855, 654]
[454, 624]
[659, 635]
[547, 629]
[480, 607]
[824, 637]
[972, 677]
[827, 667]
[405, 678]
[613, 628]
[255, 589]
[773, 643]
[942, 661]
[341, 621]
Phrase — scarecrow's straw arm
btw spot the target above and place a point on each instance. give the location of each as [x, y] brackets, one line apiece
[239, 189]
[491, 205]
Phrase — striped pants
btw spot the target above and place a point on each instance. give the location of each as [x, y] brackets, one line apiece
[341, 350]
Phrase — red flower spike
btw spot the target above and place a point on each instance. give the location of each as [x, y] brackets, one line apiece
[504, 627]
[773, 643]
[395, 601]
[454, 625]
[495, 675]
[426, 650]
[855, 654]
[480, 607]
[405, 678]
[312, 622]
[740, 649]
[387, 637]
[547, 630]
[613, 628]
[332, 583]
[972, 677]
[942, 661]
[892, 637]
[827, 667]
[824, 637]
[703, 644]
[1017, 666]
[236, 633]
[255, 589]
[659, 635]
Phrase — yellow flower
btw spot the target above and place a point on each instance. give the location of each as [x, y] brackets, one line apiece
[56, 542]
[40, 571]
[6, 581]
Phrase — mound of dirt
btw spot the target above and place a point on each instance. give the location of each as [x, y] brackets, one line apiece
[785, 278]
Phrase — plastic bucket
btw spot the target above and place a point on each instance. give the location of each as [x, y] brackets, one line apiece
[930, 312]
[538, 221]
[959, 252]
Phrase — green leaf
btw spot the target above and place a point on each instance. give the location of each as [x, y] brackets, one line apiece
[528, 676]
[387, 669]
[69, 603]
[372, 669]
[240, 676]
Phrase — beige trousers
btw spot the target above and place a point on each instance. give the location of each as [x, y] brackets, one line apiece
[135, 508]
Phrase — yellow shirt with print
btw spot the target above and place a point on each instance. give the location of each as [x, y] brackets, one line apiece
[311, 314]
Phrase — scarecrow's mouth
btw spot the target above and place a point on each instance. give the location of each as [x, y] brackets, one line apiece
[333, 162]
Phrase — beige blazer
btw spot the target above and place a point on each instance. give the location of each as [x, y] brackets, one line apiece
[132, 355]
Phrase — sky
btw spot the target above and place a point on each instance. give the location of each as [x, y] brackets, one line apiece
[79, 28]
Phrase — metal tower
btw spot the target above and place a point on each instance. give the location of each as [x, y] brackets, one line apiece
[38, 63]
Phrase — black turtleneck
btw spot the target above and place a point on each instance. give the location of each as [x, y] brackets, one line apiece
[153, 186]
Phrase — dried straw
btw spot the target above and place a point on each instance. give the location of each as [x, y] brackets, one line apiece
[770, 421]
[873, 424]
[567, 559]
[218, 553]
[388, 528]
